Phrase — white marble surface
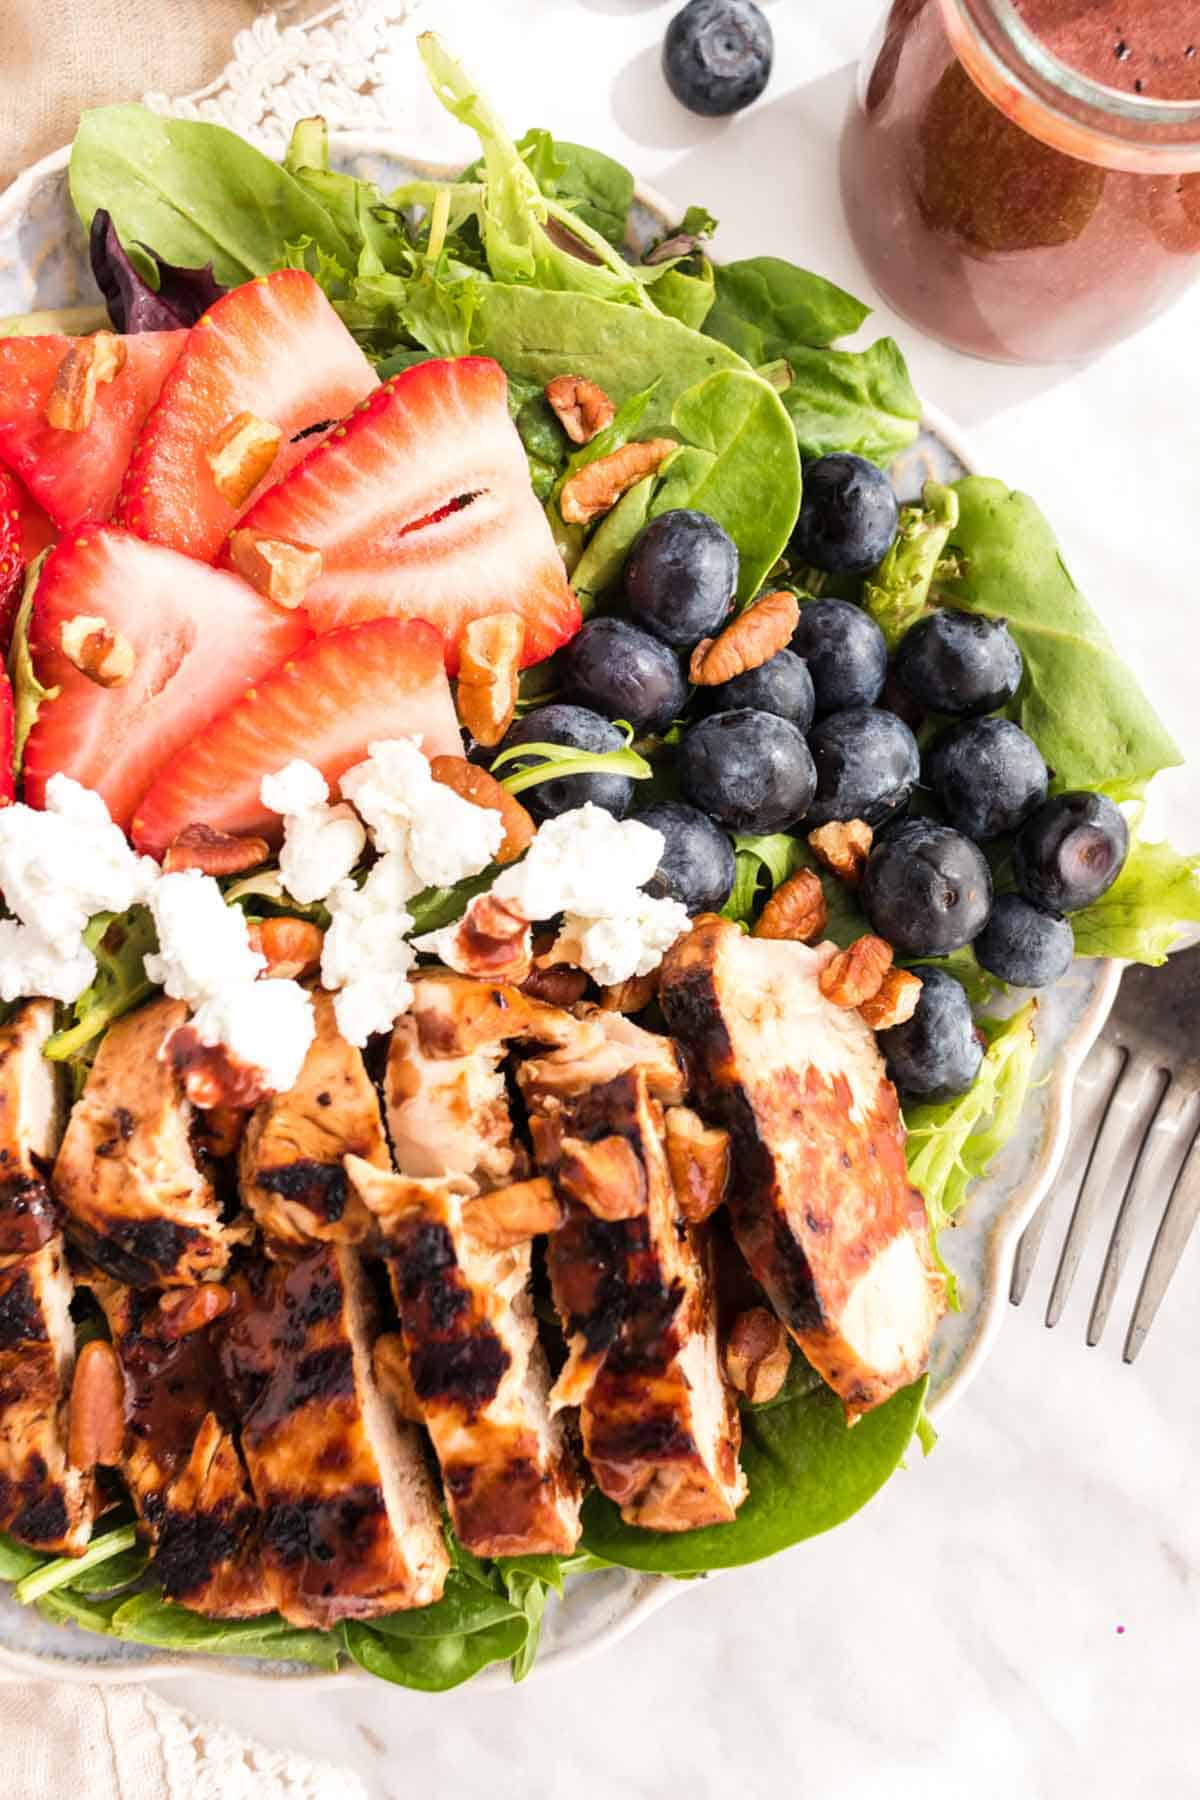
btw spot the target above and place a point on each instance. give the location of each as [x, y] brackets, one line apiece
[963, 1636]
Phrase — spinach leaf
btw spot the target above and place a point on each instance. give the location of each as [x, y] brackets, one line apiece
[858, 400]
[686, 296]
[195, 193]
[599, 568]
[149, 1619]
[1078, 701]
[528, 1593]
[1145, 909]
[16, 1561]
[897, 593]
[65, 1571]
[764, 307]
[808, 1471]
[120, 943]
[434, 1664]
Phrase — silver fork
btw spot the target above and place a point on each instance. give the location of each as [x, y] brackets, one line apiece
[1136, 1138]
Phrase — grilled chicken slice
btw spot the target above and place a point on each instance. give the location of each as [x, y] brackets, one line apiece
[31, 1125]
[136, 1200]
[180, 1458]
[350, 1518]
[43, 1500]
[632, 1283]
[291, 1164]
[822, 1206]
[476, 1365]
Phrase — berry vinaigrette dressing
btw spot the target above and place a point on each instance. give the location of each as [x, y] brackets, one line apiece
[997, 210]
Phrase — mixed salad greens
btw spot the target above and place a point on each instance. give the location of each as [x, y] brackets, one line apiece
[527, 257]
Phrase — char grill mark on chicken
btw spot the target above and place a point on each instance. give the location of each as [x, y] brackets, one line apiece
[31, 1125]
[477, 1368]
[632, 1282]
[292, 1158]
[180, 1459]
[822, 1206]
[350, 1520]
[135, 1199]
[44, 1501]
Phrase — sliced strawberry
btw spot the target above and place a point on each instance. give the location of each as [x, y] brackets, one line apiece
[8, 786]
[421, 505]
[36, 529]
[274, 348]
[344, 691]
[199, 638]
[75, 475]
[12, 560]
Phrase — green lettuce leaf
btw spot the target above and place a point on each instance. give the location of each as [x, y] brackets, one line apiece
[29, 696]
[761, 864]
[595, 187]
[764, 306]
[1147, 908]
[120, 942]
[897, 593]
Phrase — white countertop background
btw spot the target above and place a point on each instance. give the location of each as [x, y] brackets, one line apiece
[962, 1637]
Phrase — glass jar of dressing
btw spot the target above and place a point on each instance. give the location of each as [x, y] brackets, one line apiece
[1022, 177]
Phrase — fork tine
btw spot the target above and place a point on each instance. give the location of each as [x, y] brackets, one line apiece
[1175, 1228]
[1094, 1088]
[1109, 1170]
[1156, 1147]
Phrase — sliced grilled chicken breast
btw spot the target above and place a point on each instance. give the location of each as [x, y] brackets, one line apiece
[292, 1154]
[32, 1116]
[350, 1518]
[135, 1199]
[632, 1284]
[476, 1365]
[822, 1206]
[43, 1500]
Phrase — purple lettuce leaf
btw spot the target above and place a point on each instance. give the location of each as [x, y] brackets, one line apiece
[133, 305]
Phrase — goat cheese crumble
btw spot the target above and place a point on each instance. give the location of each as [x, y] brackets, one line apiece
[442, 837]
[366, 957]
[321, 843]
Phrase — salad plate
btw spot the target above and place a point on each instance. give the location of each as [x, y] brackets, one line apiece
[44, 265]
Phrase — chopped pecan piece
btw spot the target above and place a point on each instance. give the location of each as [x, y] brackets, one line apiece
[482, 789]
[394, 1376]
[96, 650]
[512, 1215]
[489, 667]
[92, 360]
[856, 974]
[556, 983]
[184, 1310]
[209, 1075]
[843, 847]
[96, 1424]
[758, 1355]
[895, 1001]
[630, 996]
[279, 570]
[492, 941]
[241, 454]
[605, 1176]
[581, 408]
[292, 947]
[698, 1155]
[747, 642]
[597, 487]
[797, 910]
[214, 852]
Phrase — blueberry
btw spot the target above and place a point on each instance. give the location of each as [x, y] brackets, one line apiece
[697, 865]
[750, 770]
[624, 673]
[1024, 944]
[936, 1054]
[716, 56]
[582, 730]
[848, 515]
[783, 686]
[927, 889]
[1070, 851]
[960, 663]
[680, 576]
[867, 765]
[988, 775]
[845, 651]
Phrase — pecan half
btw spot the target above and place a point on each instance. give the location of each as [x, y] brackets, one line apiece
[241, 454]
[581, 408]
[758, 1355]
[856, 974]
[843, 847]
[93, 360]
[184, 1310]
[96, 1422]
[606, 1177]
[489, 668]
[698, 1156]
[747, 642]
[277, 569]
[292, 947]
[512, 1215]
[394, 1377]
[214, 852]
[482, 789]
[597, 487]
[632, 995]
[797, 910]
[895, 1001]
[96, 650]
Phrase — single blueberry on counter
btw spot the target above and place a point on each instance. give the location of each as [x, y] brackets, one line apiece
[845, 651]
[926, 889]
[781, 685]
[697, 866]
[1070, 851]
[751, 771]
[581, 730]
[988, 776]
[936, 1054]
[624, 673]
[1023, 944]
[848, 515]
[959, 663]
[717, 55]
[680, 577]
[867, 765]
